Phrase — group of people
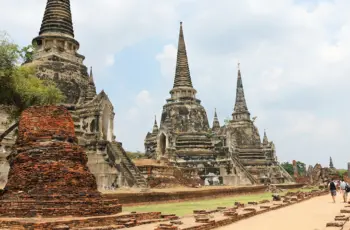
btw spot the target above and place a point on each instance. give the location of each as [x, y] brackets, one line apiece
[341, 186]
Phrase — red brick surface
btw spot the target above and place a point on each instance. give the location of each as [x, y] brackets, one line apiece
[49, 174]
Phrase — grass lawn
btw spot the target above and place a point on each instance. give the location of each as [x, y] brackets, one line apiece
[185, 208]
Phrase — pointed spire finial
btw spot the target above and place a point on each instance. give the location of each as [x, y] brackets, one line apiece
[155, 126]
[265, 140]
[241, 109]
[331, 163]
[239, 66]
[91, 77]
[216, 123]
[182, 73]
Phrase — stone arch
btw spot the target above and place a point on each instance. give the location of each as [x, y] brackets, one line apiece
[106, 124]
[93, 126]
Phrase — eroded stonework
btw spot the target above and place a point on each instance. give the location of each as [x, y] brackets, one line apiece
[56, 58]
[232, 154]
[185, 139]
[49, 176]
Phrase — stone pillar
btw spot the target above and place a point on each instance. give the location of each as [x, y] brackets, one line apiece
[349, 169]
[295, 169]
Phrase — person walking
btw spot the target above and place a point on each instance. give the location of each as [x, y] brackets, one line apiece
[333, 189]
[343, 187]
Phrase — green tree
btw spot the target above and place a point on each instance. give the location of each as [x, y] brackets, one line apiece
[135, 155]
[288, 167]
[19, 86]
[301, 168]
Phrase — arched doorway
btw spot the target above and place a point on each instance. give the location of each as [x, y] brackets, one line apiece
[106, 119]
[162, 144]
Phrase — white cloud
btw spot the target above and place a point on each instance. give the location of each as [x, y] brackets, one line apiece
[143, 99]
[167, 60]
[110, 60]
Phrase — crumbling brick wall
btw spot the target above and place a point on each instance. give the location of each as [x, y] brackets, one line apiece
[48, 172]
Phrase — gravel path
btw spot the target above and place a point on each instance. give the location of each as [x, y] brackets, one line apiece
[308, 215]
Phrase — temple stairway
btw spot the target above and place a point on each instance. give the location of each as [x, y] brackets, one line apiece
[255, 163]
[238, 164]
[129, 169]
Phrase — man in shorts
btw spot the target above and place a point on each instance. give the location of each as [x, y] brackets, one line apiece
[333, 190]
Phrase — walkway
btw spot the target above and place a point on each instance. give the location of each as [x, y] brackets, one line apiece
[308, 215]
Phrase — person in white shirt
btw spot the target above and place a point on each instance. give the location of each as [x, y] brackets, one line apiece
[343, 186]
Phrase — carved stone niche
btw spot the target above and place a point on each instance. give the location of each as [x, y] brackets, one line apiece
[106, 123]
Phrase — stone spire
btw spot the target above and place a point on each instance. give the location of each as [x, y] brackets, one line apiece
[182, 74]
[216, 123]
[57, 18]
[265, 140]
[91, 76]
[331, 163]
[241, 110]
[91, 89]
[56, 34]
[182, 89]
[155, 126]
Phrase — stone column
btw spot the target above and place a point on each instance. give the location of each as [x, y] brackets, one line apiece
[295, 169]
[349, 169]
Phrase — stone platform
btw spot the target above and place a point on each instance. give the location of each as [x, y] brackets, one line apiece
[116, 221]
[137, 197]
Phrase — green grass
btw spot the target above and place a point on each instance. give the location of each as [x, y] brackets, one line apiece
[185, 208]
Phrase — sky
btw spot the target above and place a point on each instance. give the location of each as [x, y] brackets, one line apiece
[294, 55]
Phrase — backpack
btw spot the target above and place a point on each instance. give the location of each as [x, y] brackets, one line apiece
[347, 188]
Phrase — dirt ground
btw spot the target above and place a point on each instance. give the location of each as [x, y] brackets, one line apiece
[308, 215]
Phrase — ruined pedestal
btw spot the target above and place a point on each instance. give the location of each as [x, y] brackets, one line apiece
[48, 173]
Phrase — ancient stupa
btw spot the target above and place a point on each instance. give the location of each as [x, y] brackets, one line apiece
[49, 176]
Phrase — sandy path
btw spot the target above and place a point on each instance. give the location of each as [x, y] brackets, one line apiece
[308, 215]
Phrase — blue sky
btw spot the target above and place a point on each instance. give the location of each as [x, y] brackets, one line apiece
[294, 57]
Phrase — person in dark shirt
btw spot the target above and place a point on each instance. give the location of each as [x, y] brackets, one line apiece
[333, 190]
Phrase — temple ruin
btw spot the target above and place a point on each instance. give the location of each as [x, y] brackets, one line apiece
[56, 58]
[232, 154]
[49, 176]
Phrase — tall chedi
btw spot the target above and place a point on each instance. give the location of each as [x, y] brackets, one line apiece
[56, 53]
[243, 139]
[56, 58]
[184, 132]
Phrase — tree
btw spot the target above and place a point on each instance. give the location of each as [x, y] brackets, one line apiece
[135, 155]
[288, 167]
[19, 86]
[301, 168]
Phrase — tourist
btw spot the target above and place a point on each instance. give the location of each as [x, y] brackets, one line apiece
[343, 186]
[333, 189]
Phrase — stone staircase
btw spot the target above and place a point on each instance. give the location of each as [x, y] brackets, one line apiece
[243, 169]
[285, 173]
[129, 169]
